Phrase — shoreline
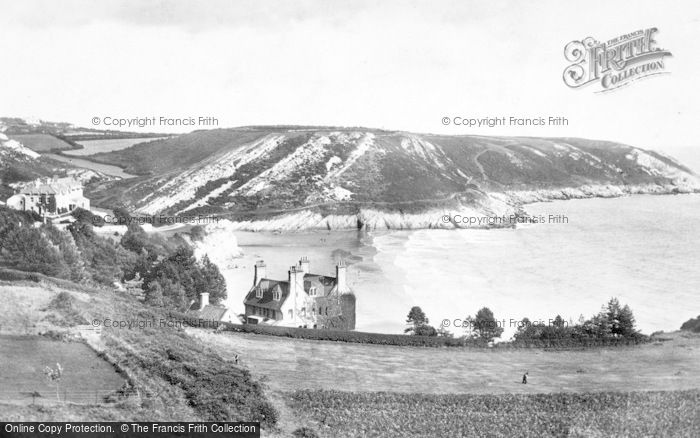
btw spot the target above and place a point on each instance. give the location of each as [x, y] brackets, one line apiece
[511, 203]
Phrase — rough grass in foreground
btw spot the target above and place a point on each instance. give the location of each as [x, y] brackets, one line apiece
[172, 377]
[633, 414]
[215, 388]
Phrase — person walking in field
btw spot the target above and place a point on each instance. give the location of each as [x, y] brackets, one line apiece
[525, 378]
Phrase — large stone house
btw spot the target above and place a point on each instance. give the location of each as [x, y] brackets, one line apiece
[50, 196]
[303, 300]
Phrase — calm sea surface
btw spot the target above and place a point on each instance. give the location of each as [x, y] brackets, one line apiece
[644, 250]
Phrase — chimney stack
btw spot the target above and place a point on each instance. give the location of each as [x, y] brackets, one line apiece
[296, 281]
[259, 272]
[304, 265]
[203, 300]
[341, 277]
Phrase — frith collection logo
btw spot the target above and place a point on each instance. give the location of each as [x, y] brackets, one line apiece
[616, 62]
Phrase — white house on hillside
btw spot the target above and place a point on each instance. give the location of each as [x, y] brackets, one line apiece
[50, 196]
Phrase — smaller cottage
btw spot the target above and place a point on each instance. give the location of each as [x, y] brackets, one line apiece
[211, 313]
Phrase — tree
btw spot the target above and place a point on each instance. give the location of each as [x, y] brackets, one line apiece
[68, 250]
[626, 322]
[444, 333]
[121, 215]
[425, 330]
[173, 295]
[524, 324]
[209, 279]
[619, 319]
[485, 325]
[154, 294]
[30, 250]
[416, 317]
[558, 322]
[135, 238]
[54, 376]
[692, 325]
[87, 217]
[197, 233]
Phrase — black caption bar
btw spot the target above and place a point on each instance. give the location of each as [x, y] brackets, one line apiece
[107, 429]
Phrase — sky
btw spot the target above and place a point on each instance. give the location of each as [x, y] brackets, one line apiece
[384, 64]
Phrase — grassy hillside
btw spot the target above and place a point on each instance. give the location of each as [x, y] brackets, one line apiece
[171, 376]
[181, 152]
[42, 142]
[339, 170]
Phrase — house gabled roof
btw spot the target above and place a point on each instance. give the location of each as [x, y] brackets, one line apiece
[210, 313]
[323, 284]
[51, 186]
[268, 287]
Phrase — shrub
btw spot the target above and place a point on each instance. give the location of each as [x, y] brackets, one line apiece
[68, 315]
[304, 432]
[692, 325]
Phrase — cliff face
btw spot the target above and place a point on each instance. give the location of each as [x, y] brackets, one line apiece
[298, 178]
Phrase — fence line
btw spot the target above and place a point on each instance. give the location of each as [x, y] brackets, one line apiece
[80, 396]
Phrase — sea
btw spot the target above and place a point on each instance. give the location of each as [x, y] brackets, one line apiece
[643, 250]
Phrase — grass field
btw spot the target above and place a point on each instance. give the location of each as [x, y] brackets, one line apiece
[86, 379]
[602, 414]
[292, 364]
[42, 142]
[171, 376]
[338, 389]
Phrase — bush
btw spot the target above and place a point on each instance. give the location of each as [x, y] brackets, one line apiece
[13, 175]
[13, 275]
[87, 217]
[692, 325]
[304, 432]
[68, 315]
[265, 413]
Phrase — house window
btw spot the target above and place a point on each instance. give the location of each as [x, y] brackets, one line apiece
[291, 313]
[276, 295]
[258, 292]
[313, 310]
[312, 291]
